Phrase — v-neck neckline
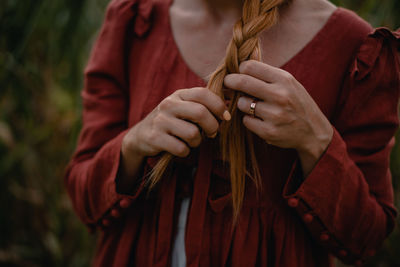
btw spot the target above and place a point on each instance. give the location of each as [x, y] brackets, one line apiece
[309, 45]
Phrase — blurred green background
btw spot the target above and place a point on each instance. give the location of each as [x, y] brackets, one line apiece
[44, 45]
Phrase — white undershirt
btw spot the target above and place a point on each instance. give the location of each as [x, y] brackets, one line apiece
[178, 249]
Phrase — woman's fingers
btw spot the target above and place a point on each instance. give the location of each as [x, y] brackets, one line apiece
[263, 81]
[208, 99]
[185, 131]
[198, 105]
[264, 130]
[172, 145]
[265, 111]
[244, 105]
[179, 116]
[262, 71]
[253, 87]
[193, 112]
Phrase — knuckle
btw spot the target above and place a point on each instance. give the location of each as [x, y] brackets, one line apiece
[153, 134]
[182, 150]
[287, 77]
[159, 119]
[280, 117]
[166, 104]
[214, 127]
[201, 112]
[180, 93]
[247, 66]
[273, 116]
[204, 93]
[127, 141]
[203, 90]
[198, 92]
[283, 98]
[192, 133]
[177, 92]
[279, 113]
[195, 142]
[288, 119]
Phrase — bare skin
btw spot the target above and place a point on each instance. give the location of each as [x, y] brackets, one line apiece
[171, 126]
[194, 21]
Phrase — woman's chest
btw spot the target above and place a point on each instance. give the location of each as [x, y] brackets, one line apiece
[204, 41]
[203, 48]
[157, 67]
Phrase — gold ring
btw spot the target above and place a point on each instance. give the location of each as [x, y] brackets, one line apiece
[253, 108]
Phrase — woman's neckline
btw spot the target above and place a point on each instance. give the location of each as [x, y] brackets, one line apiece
[313, 41]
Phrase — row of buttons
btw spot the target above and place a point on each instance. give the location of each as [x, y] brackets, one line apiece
[308, 217]
[115, 212]
[125, 203]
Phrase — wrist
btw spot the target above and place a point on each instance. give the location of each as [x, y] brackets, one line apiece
[316, 147]
[131, 155]
[312, 150]
[130, 146]
[316, 144]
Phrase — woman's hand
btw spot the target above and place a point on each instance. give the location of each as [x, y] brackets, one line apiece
[174, 126]
[285, 115]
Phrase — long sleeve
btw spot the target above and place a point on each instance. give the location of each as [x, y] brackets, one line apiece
[91, 174]
[347, 200]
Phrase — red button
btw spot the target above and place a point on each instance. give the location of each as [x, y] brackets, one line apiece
[308, 218]
[324, 237]
[293, 202]
[343, 253]
[125, 203]
[371, 253]
[106, 222]
[115, 213]
[359, 263]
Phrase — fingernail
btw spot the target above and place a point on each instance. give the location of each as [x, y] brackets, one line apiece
[214, 135]
[227, 116]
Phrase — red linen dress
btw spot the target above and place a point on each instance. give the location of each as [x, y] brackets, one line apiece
[343, 208]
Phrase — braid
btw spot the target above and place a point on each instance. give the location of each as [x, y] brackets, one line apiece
[234, 138]
[257, 16]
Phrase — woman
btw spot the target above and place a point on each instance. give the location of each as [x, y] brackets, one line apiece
[316, 115]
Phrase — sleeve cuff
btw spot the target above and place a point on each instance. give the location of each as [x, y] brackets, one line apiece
[315, 198]
[115, 202]
[330, 164]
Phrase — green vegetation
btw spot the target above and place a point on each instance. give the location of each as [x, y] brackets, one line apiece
[44, 45]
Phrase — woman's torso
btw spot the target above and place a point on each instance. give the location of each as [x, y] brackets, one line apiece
[267, 230]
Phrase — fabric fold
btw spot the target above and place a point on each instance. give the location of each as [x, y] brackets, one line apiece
[370, 50]
[197, 212]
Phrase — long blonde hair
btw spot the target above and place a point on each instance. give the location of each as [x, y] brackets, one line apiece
[236, 141]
